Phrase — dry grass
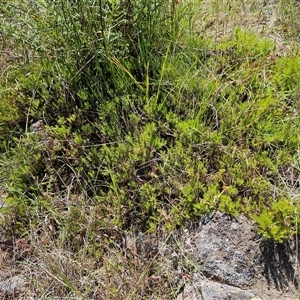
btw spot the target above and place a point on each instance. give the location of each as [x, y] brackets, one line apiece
[218, 19]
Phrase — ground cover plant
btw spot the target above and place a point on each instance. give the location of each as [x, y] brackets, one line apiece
[151, 113]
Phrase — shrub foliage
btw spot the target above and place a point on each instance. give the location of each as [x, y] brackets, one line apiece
[145, 120]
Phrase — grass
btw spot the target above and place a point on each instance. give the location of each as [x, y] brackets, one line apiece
[154, 113]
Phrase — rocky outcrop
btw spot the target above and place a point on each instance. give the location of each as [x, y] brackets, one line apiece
[233, 262]
[221, 257]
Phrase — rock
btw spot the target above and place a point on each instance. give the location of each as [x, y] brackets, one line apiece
[224, 250]
[213, 290]
[190, 293]
[12, 284]
[218, 291]
[38, 127]
[233, 262]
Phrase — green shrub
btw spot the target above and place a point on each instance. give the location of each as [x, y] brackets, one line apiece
[146, 121]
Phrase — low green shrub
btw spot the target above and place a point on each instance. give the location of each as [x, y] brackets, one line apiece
[146, 121]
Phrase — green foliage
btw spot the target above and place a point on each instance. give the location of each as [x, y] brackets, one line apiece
[278, 221]
[148, 122]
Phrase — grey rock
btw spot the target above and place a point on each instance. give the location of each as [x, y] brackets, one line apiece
[38, 126]
[208, 290]
[223, 250]
[11, 284]
[235, 263]
[218, 291]
[190, 293]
